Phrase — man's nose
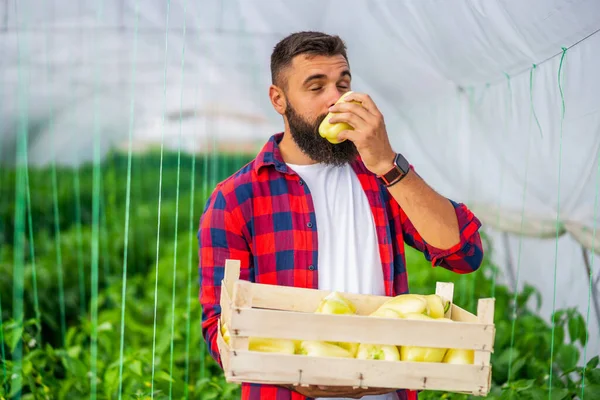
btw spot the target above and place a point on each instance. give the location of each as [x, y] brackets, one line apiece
[334, 95]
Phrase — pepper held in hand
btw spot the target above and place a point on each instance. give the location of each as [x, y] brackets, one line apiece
[330, 131]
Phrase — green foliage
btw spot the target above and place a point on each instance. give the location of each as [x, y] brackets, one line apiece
[523, 346]
[57, 367]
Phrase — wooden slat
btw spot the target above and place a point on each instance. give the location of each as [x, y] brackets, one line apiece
[242, 299]
[353, 328]
[485, 315]
[223, 348]
[270, 367]
[225, 303]
[462, 315]
[232, 274]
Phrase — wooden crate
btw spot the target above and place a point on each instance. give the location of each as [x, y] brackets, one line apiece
[259, 310]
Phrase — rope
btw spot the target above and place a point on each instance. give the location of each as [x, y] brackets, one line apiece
[36, 302]
[502, 171]
[516, 288]
[558, 225]
[177, 205]
[128, 204]
[20, 208]
[591, 279]
[96, 189]
[162, 145]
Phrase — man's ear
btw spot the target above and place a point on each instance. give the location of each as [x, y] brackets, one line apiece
[277, 99]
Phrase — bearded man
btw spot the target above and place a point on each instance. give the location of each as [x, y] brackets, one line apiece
[312, 214]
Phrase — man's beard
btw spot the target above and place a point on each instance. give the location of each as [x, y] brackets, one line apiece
[306, 135]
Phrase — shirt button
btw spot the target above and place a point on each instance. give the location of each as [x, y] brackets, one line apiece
[311, 267]
[309, 224]
[301, 182]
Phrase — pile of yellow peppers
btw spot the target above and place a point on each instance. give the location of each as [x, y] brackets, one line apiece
[407, 306]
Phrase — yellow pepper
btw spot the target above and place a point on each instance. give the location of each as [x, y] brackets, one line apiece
[418, 353]
[323, 349]
[459, 356]
[406, 303]
[225, 333]
[437, 306]
[267, 345]
[330, 131]
[335, 303]
[385, 352]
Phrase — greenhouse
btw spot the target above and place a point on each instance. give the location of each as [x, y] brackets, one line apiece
[119, 118]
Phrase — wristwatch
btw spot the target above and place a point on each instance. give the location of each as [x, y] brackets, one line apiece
[398, 171]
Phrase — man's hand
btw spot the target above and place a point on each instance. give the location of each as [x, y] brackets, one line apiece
[369, 135]
[337, 391]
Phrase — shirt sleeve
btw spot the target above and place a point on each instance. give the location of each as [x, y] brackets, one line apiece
[464, 257]
[219, 238]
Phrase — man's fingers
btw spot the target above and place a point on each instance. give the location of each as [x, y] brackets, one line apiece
[353, 108]
[351, 135]
[354, 120]
[366, 101]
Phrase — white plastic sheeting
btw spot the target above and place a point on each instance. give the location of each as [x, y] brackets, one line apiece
[455, 81]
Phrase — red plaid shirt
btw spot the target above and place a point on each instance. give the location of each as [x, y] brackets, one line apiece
[263, 215]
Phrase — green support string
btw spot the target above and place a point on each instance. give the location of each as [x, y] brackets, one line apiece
[518, 273]
[55, 209]
[57, 240]
[558, 224]
[128, 202]
[80, 268]
[2, 352]
[162, 145]
[36, 302]
[96, 188]
[591, 277]
[177, 204]
[508, 116]
[531, 99]
[190, 263]
[19, 217]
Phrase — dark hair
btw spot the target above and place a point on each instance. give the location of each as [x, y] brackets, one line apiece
[306, 42]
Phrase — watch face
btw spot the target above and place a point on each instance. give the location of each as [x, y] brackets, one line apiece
[402, 163]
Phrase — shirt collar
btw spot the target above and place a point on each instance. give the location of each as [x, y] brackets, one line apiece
[270, 154]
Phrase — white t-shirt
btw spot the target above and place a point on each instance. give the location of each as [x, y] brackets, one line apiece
[348, 249]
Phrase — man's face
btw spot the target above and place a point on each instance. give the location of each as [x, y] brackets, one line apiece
[313, 85]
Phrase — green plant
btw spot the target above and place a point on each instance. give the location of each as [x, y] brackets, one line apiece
[522, 350]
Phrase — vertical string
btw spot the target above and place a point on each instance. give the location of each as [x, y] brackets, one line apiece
[591, 278]
[2, 352]
[55, 208]
[205, 187]
[36, 302]
[190, 264]
[57, 237]
[81, 272]
[96, 189]
[558, 224]
[508, 111]
[177, 202]
[19, 221]
[162, 142]
[516, 289]
[128, 202]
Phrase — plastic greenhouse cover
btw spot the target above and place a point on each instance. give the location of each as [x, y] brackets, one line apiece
[455, 80]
